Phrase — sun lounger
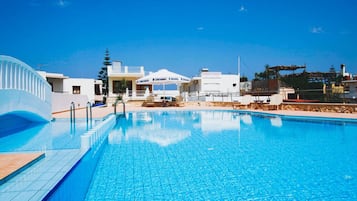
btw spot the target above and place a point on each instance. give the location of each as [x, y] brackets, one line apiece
[149, 102]
[275, 102]
[178, 102]
[245, 103]
[163, 102]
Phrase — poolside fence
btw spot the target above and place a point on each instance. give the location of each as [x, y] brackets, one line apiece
[97, 135]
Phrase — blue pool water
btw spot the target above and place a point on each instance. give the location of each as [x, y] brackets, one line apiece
[62, 144]
[221, 155]
[55, 135]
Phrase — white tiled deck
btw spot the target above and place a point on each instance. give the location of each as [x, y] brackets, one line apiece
[36, 181]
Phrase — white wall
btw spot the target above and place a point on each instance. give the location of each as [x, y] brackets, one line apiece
[21, 102]
[246, 86]
[86, 87]
[219, 83]
[210, 82]
[227, 83]
[62, 102]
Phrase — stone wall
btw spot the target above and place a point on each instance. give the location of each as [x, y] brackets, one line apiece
[313, 107]
[321, 107]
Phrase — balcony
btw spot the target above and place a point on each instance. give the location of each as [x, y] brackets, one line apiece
[126, 71]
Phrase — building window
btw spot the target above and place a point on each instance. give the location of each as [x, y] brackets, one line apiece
[116, 87]
[121, 86]
[76, 89]
[143, 87]
[97, 89]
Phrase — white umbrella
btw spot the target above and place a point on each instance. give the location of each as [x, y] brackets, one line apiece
[163, 77]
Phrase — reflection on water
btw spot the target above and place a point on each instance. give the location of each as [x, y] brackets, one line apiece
[162, 137]
[155, 128]
[247, 119]
[172, 127]
[218, 121]
[59, 134]
[167, 128]
[276, 121]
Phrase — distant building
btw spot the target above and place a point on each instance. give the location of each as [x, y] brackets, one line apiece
[344, 73]
[350, 94]
[122, 80]
[245, 87]
[213, 84]
[314, 86]
[66, 90]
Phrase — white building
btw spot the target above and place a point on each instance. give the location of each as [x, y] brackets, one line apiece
[66, 90]
[119, 76]
[245, 87]
[213, 86]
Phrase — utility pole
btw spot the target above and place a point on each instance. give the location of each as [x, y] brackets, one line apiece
[238, 91]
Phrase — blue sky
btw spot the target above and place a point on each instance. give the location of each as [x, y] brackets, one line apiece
[70, 36]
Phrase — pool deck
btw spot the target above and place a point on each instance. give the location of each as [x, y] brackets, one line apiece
[99, 112]
[35, 181]
[14, 163]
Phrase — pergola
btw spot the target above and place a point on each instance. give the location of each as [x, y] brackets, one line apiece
[292, 68]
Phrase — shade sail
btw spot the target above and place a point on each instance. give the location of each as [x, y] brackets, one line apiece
[163, 76]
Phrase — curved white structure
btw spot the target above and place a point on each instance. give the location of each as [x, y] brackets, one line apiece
[23, 92]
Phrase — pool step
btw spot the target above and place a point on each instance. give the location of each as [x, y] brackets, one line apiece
[14, 163]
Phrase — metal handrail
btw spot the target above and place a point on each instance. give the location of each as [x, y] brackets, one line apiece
[115, 106]
[89, 107]
[72, 111]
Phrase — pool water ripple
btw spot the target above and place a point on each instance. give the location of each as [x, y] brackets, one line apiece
[226, 155]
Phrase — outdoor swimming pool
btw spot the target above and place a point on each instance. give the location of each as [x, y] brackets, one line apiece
[219, 155]
[59, 140]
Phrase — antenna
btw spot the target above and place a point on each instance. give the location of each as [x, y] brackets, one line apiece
[238, 65]
[238, 76]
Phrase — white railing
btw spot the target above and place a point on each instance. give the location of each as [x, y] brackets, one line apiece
[213, 96]
[137, 93]
[129, 70]
[97, 134]
[16, 75]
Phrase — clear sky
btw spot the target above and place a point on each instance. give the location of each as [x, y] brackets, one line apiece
[71, 36]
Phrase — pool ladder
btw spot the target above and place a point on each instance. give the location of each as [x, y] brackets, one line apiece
[115, 106]
[89, 113]
[72, 111]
